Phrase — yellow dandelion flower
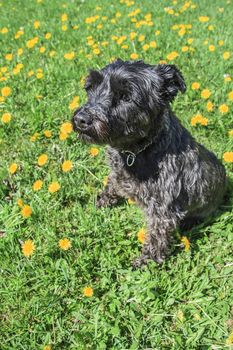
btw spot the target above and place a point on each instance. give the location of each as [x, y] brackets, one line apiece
[229, 340]
[226, 55]
[230, 96]
[64, 28]
[30, 73]
[64, 17]
[88, 292]
[6, 118]
[134, 56]
[26, 211]
[37, 24]
[94, 151]
[209, 106]
[66, 128]
[39, 75]
[6, 91]
[230, 132]
[131, 201]
[184, 48]
[69, 55]
[203, 19]
[186, 243]
[96, 51]
[4, 30]
[52, 53]
[195, 86]
[42, 49]
[48, 36]
[221, 43]
[67, 165]
[228, 157]
[223, 108]
[105, 181]
[28, 248]
[63, 136]
[47, 347]
[172, 55]
[145, 47]
[20, 51]
[141, 235]
[153, 44]
[54, 187]
[47, 133]
[205, 93]
[20, 202]
[211, 48]
[43, 158]
[64, 244]
[37, 185]
[34, 137]
[9, 56]
[13, 168]
[157, 32]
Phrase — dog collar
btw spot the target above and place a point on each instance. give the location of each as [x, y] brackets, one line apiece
[131, 156]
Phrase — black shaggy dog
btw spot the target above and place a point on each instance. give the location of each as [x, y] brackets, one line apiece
[154, 159]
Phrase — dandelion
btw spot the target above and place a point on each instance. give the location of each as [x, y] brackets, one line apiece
[64, 27]
[230, 96]
[205, 93]
[63, 136]
[230, 132]
[42, 49]
[221, 43]
[195, 86]
[6, 118]
[64, 244]
[153, 44]
[203, 19]
[4, 30]
[20, 202]
[42, 160]
[105, 181]
[54, 187]
[229, 340]
[211, 48]
[37, 24]
[141, 235]
[6, 91]
[34, 137]
[198, 119]
[226, 55]
[186, 243]
[47, 347]
[74, 103]
[88, 292]
[131, 201]
[69, 55]
[48, 36]
[9, 57]
[134, 56]
[223, 108]
[64, 17]
[67, 165]
[20, 51]
[28, 248]
[66, 128]
[13, 168]
[209, 106]
[26, 211]
[171, 56]
[94, 151]
[228, 157]
[37, 185]
[47, 133]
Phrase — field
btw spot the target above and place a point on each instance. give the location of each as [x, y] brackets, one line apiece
[66, 280]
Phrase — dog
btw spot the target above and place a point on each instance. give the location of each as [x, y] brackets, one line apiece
[154, 160]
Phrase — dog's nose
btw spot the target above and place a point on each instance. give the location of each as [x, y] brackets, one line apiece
[82, 120]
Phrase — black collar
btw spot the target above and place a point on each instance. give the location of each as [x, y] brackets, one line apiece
[131, 156]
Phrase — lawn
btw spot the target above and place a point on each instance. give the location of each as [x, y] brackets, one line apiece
[66, 280]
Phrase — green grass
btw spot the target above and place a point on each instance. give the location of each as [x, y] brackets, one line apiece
[185, 304]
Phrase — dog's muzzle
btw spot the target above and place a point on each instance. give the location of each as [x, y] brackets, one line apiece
[82, 120]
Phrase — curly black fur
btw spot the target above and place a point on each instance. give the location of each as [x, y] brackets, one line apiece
[154, 159]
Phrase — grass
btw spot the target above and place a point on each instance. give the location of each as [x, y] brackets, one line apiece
[186, 303]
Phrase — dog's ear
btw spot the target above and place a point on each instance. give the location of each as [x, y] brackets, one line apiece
[172, 80]
[93, 79]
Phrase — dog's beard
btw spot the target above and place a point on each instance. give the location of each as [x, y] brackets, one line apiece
[98, 134]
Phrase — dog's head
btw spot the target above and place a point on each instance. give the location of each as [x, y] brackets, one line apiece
[126, 101]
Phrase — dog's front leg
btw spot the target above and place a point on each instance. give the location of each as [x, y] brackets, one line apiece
[159, 234]
[108, 196]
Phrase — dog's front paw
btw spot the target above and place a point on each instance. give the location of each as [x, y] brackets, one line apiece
[140, 262]
[104, 199]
